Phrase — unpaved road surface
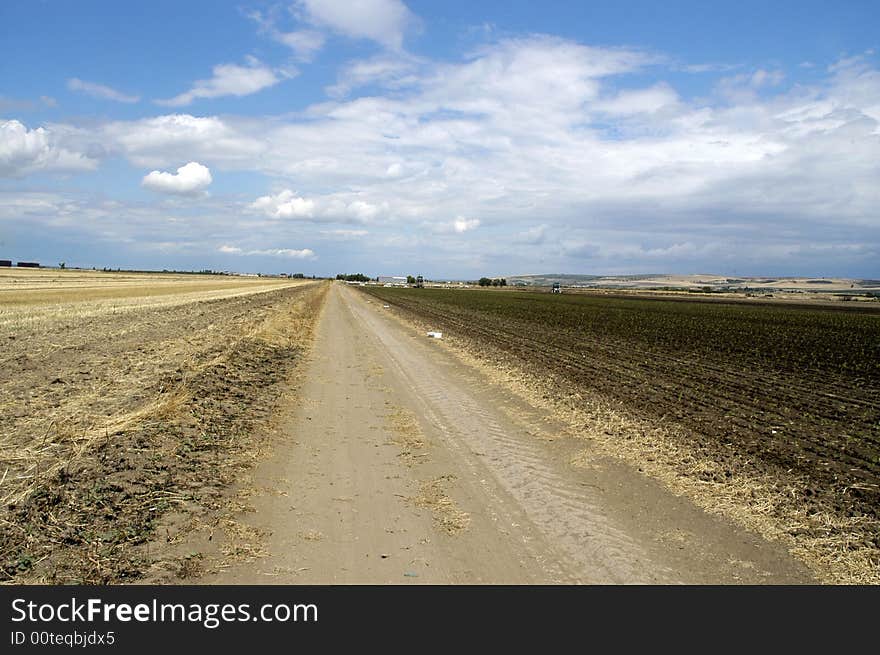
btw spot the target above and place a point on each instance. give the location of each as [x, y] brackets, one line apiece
[400, 464]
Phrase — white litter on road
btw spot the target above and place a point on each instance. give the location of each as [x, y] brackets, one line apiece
[435, 335]
[386, 306]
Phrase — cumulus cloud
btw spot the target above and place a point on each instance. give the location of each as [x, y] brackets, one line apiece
[100, 91]
[543, 130]
[285, 204]
[163, 140]
[191, 179]
[383, 21]
[229, 250]
[231, 80]
[24, 151]
[475, 138]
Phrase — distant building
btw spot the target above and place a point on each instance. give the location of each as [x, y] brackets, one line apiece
[5, 262]
[28, 264]
[393, 279]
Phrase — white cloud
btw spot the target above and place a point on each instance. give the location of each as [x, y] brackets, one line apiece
[461, 224]
[362, 211]
[743, 88]
[30, 204]
[231, 80]
[545, 131]
[519, 128]
[100, 91]
[766, 78]
[705, 68]
[304, 43]
[383, 21]
[640, 101]
[304, 253]
[163, 140]
[191, 179]
[527, 85]
[285, 204]
[24, 151]
[392, 71]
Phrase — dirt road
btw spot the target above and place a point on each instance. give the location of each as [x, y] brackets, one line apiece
[400, 464]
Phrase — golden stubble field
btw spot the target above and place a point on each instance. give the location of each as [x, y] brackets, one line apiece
[128, 396]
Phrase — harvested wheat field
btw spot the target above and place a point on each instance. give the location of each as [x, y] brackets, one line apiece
[127, 398]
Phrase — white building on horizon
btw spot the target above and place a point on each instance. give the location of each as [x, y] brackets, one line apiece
[393, 279]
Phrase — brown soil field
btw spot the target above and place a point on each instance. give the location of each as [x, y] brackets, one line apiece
[769, 414]
[127, 399]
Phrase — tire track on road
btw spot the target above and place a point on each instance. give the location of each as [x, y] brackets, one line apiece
[564, 511]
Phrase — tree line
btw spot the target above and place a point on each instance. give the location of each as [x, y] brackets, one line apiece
[492, 282]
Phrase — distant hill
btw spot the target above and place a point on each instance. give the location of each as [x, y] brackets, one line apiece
[685, 282]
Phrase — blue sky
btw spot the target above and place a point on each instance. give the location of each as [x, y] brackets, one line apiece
[451, 139]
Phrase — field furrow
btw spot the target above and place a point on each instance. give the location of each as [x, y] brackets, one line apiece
[775, 389]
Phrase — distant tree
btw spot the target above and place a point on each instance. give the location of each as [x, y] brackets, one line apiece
[351, 277]
[485, 282]
[410, 279]
[503, 282]
[62, 265]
